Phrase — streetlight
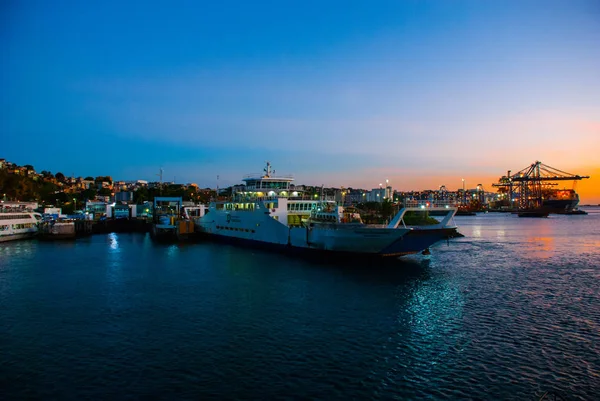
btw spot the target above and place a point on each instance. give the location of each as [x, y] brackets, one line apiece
[463, 191]
[75, 201]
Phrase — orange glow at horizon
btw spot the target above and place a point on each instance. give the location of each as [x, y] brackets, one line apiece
[588, 189]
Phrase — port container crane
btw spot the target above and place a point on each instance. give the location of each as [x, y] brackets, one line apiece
[528, 184]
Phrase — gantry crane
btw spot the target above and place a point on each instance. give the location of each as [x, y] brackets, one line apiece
[528, 184]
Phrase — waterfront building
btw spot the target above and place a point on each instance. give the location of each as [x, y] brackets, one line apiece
[18, 206]
[377, 195]
[96, 208]
[355, 196]
[125, 196]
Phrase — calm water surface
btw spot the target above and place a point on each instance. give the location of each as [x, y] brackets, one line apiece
[510, 311]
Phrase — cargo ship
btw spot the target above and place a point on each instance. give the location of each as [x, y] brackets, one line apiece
[268, 212]
[561, 201]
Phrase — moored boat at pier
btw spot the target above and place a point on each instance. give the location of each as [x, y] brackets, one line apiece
[270, 213]
[172, 221]
[15, 225]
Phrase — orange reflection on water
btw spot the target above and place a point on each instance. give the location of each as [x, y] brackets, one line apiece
[540, 247]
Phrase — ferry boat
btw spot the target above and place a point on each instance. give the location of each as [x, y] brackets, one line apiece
[16, 225]
[269, 212]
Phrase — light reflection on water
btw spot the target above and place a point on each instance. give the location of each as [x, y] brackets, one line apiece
[113, 240]
[173, 251]
[509, 311]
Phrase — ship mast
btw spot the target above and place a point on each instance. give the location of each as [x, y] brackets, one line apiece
[267, 170]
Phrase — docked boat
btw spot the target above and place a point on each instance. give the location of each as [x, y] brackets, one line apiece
[15, 225]
[269, 212]
[172, 221]
[560, 201]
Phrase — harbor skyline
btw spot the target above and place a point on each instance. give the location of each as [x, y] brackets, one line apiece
[422, 94]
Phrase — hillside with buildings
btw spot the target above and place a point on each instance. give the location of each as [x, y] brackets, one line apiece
[24, 183]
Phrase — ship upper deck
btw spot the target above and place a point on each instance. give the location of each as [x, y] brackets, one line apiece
[267, 180]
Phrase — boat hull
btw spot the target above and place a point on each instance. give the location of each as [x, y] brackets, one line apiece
[417, 240]
[18, 236]
[317, 253]
[261, 230]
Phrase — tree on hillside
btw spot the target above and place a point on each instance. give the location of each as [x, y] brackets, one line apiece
[387, 209]
[89, 194]
[62, 197]
[101, 178]
[47, 191]
[89, 178]
[29, 167]
[60, 177]
[18, 187]
[141, 195]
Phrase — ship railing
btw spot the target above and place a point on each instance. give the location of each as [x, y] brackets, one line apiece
[260, 176]
[428, 204]
[276, 197]
[376, 225]
[16, 210]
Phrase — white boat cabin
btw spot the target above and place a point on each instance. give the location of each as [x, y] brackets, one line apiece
[274, 195]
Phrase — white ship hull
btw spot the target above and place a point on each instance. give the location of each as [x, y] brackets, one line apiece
[261, 228]
[18, 236]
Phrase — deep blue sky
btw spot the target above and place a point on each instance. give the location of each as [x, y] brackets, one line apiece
[338, 93]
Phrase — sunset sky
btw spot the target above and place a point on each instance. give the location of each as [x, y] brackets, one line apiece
[423, 93]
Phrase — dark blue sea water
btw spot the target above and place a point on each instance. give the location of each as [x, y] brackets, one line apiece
[510, 311]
